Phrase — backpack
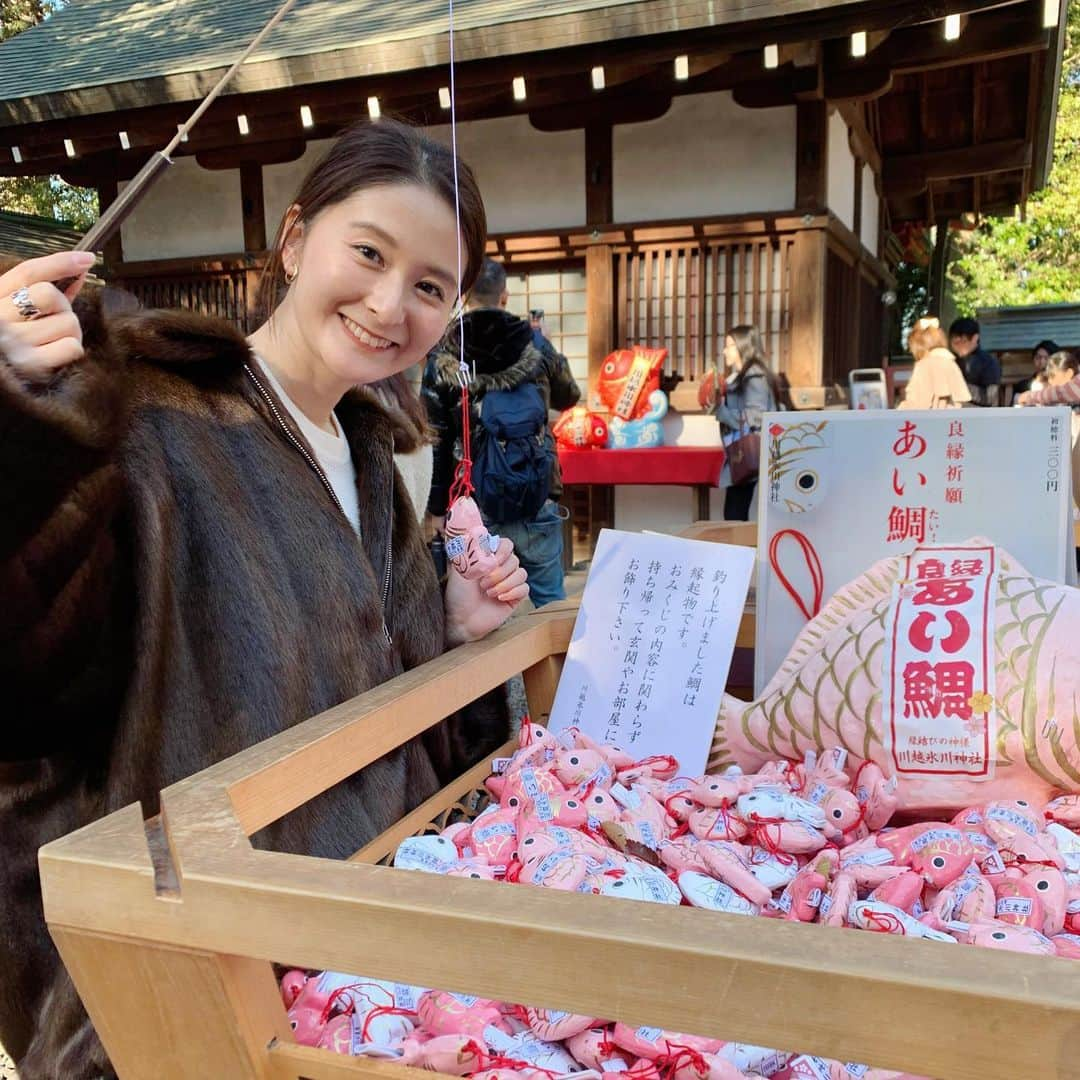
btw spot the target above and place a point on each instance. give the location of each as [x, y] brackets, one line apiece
[513, 453]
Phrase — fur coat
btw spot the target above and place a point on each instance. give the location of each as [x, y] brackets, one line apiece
[177, 585]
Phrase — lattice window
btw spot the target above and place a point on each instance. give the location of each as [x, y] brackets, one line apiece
[561, 296]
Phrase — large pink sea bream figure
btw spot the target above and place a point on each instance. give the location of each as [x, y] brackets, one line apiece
[827, 692]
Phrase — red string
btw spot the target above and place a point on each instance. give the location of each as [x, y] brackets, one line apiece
[669, 1064]
[462, 486]
[1020, 858]
[328, 1008]
[655, 759]
[382, 1010]
[764, 839]
[813, 562]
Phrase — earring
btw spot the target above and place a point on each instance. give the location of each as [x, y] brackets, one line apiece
[290, 275]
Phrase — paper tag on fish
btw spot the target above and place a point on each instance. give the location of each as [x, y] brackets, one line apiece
[1014, 905]
[498, 765]
[615, 1065]
[625, 797]
[649, 1034]
[937, 706]
[455, 546]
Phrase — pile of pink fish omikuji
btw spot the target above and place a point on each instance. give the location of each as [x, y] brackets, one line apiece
[806, 842]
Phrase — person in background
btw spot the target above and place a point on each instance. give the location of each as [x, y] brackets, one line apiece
[750, 390]
[1062, 382]
[1039, 356]
[501, 349]
[981, 369]
[937, 381]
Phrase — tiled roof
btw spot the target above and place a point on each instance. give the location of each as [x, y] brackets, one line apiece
[27, 236]
[97, 42]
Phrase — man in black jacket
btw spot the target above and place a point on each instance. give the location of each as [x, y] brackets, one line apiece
[981, 369]
[501, 350]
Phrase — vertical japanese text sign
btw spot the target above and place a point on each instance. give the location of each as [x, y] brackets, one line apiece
[937, 703]
[652, 644]
[841, 490]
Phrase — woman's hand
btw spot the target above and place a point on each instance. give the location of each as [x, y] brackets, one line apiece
[475, 608]
[1024, 398]
[39, 331]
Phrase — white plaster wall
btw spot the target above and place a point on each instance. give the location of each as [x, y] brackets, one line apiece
[280, 183]
[529, 179]
[870, 209]
[705, 156]
[190, 211]
[840, 187]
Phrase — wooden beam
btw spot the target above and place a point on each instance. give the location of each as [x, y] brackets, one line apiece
[253, 206]
[807, 308]
[811, 157]
[275, 152]
[599, 306]
[911, 173]
[599, 189]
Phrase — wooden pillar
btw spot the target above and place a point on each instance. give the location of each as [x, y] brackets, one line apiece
[174, 1013]
[599, 190]
[108, 189]
[599, 306]
[253, 206]
[811, 155]
[807, 365]
[935, 292]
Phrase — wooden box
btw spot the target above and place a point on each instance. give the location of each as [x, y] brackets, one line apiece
[169, 927]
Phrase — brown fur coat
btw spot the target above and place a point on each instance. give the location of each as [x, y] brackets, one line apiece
[176, 585]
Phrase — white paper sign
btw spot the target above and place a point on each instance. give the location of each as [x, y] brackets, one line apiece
[652, 644]
[841, 490]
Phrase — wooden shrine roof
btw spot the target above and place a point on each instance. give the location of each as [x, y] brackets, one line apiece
[27, 236]
[957, 126]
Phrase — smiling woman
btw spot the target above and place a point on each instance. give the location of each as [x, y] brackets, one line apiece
[205, 541]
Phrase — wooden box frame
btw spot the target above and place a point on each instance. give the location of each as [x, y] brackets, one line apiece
[169, 926]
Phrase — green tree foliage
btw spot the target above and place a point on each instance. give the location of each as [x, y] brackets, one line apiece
[1032, 257]
[46, 196]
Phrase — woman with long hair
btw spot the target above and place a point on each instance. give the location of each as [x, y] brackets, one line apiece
[749, 391]
[205, 541]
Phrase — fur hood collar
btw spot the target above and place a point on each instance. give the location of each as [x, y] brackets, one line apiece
[213, 352]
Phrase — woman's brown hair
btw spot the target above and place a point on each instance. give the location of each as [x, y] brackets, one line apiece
[925, 335]
[373, 153]
[752, 353]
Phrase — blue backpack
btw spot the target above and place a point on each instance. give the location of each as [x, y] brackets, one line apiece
[513, 453]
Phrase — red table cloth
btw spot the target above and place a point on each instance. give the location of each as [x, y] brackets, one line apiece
[661, 465]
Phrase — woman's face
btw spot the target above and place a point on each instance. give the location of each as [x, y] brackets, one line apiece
[732, 359]
[376, 278]
[1060, 377]
[1039, 358]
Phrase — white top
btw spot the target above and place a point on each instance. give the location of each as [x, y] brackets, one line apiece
[331, 452]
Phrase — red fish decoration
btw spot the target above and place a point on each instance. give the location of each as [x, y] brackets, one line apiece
[580, 429]
[628, 377]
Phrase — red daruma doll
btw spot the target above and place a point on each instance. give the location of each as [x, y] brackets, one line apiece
[627, 378]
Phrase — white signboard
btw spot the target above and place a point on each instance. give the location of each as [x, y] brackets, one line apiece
[652, 644]
[841, 490]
